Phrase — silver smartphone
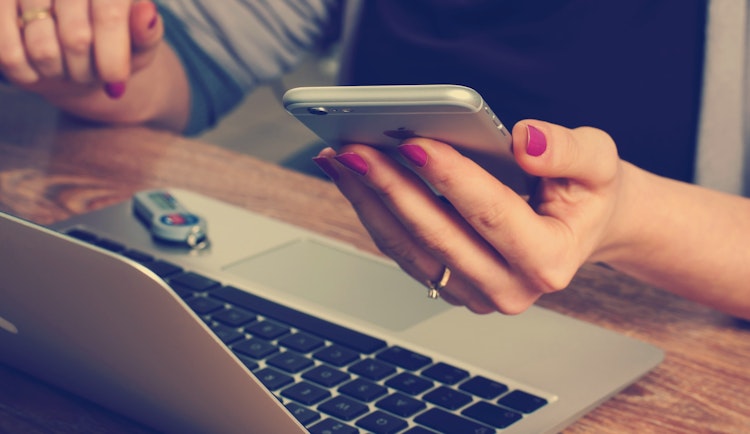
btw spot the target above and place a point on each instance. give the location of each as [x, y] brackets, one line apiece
[385, 116]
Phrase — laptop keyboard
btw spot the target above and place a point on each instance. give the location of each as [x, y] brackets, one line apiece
[334, 379]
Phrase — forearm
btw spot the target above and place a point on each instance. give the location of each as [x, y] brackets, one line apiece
[686, 239]
[157, 95]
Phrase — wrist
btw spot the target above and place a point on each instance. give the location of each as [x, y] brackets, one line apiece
[630, 222]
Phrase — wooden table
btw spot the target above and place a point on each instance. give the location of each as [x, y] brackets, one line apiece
[52, 167]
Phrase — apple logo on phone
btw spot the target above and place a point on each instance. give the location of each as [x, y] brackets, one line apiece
[401, 133]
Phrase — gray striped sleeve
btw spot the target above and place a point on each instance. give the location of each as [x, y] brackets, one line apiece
[256, 41]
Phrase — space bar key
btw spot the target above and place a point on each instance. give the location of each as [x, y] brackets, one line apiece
[448, 423]
[328, 330]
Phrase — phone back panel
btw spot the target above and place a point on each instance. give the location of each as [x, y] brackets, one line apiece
[385, 116]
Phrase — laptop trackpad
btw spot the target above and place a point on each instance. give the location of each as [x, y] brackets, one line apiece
[340, 279]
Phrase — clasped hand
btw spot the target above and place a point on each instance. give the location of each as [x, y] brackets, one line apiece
[58, 47]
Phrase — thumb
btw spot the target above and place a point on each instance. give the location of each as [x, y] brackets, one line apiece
[587, 155]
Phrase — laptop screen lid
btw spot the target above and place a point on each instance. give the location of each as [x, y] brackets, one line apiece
[108, 329]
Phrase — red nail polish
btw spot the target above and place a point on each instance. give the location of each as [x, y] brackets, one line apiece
[537, 142]
[115, 90]
[353, 162]
[413, 153]
[326, 166]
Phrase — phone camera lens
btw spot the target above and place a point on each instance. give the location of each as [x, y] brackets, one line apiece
[318, 110]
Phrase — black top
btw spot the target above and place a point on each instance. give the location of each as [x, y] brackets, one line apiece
[632, 67]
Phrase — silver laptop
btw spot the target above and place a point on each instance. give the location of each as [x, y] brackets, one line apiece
[276, 329]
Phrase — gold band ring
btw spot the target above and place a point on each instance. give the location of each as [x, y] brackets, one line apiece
[34, 15]
[434, 287]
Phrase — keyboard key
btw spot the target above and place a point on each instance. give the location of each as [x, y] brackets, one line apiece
[226, 334]
[267, 330]
[364, 390]
[247, 361]
[331, 426]
[255, 348]
[336, 355]
[319, 327]
[193, 281]
[379, 422]
[372, 369]
[404, 358]
[302, 342]
[522, 401]
[137, 256]
[448, 423]
[418, 430]
[445, 373]
[483, 387]
[492, 415]
[83, 235]
[305, 393]
[234, 317]
[448, 398]
[163, 268]
[290, 361]
[401, 405]
[304, 415]
[325, 376]
[273, 379]
[183, 293]
[112, 246]
[409, 383]
[204, 305]
[343, 408]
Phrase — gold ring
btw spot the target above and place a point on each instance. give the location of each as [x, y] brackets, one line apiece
[434, 287]
[33, 15]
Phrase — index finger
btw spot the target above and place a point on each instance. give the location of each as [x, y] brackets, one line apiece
[112, 46]
[498, 213]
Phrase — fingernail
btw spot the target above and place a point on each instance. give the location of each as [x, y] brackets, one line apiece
[115, 90]
[327, 168]
[353, 161]
[413, 153]
[154, 20]
[537, 143]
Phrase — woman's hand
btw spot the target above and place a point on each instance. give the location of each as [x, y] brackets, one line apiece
[61, 48]
[503, 251]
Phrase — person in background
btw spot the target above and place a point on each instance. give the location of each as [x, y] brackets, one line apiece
[183, 64]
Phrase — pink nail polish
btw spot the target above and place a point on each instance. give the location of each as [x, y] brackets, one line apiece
[152, 23]
[115, 90]
[413, 153]
[353, 162]
[537, 142]
[327, 168]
